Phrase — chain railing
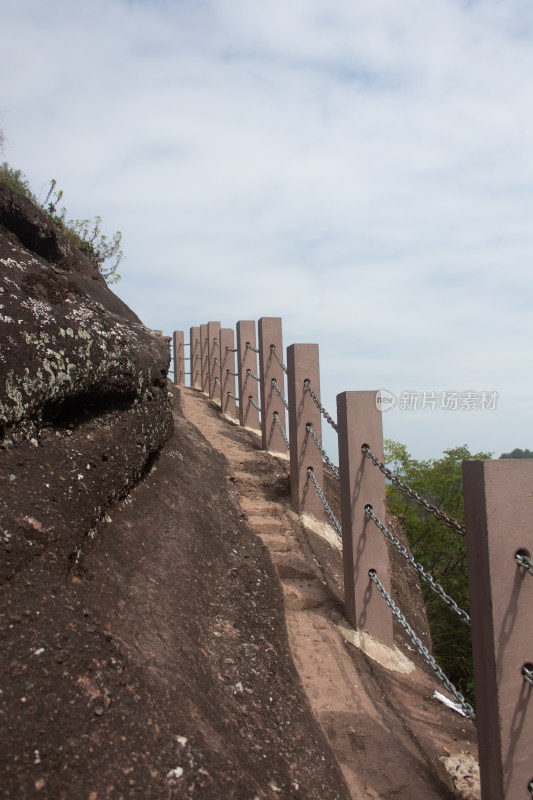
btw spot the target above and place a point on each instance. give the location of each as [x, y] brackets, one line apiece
[233, 396]
[308, 388]
[395, 480]
[217, 362]
[329, 462]
[251, 347]
[325, 503]
[278, 359]
[465, 707]
[251, 374]
[217, 381]
[252, 401]
[279, 393]
[230, 349]
[524, 561]
[527, 674]
[426, 576]
[229, 372]
[216, 342]
[281, 429]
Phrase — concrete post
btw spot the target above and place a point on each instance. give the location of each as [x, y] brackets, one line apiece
[196, 358]
[205, 358]
[361, 483]
[179, 358]
[302, 364]
[269, 370]
[227, 348]
[213, 347]
[498, 498]
[248, 388]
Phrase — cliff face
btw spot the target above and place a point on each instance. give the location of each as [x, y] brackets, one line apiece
[83, 400]
[143, 648]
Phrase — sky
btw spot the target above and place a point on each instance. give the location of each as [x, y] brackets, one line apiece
[361, 168]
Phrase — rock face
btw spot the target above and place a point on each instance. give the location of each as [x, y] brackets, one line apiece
[83, 400]
[143, 648]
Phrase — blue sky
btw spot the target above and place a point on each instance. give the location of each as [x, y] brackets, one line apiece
[362, 169]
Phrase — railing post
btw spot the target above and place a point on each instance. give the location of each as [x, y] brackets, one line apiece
[205, 358]
[227, 346]
[247, 360]
[213, 350]
[303, 364]
[196, 358]
[361, 483]
[179, 357]
[498, 497]
[269, 329]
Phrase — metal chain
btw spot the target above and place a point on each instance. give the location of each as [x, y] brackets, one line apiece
[527, 675]
[233, 396]
[525, 562]
[215, 341]
[252, 401]
[249, 372]
[231, 349]
[465, 707]
[319, 405]
[325, 503]
[449, 521]
[217, 381]
[229, 372]
[279, 392]
[278, 359]
[251, 347]
[217, 362]
[325, 456]
[282, 431]
[426, 576]
[198, 341]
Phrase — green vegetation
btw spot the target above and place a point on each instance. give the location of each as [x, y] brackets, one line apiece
[518, 453]
[440, 550]
[86, 234]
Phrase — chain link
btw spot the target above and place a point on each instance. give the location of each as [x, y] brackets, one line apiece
[281, 429]
[233, 396]
[525, 562]
[217, 362]
[215, 341]
[229, 372]
[325, 456]
[325, 503]
[278, 359]
[231, 349]
[426, 576]
[279, 393]
[217, 381]
[251, 374]
[527, 674]
[319, 405]
[449, 521]
[465, 707]
[251, 347]
[252, 401]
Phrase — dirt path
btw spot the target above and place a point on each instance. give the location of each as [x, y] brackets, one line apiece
[384, 728]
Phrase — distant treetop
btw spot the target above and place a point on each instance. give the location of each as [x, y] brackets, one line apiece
[518, 453]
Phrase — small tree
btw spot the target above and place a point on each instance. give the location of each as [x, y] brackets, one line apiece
[440, 550]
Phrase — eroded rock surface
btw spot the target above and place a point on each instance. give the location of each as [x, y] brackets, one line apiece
[143, 647]
[83, 399]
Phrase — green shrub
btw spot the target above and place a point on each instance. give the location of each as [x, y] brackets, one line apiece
[440, 550]
[86, 234]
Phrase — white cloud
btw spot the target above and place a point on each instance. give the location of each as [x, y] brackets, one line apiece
[363, 170]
